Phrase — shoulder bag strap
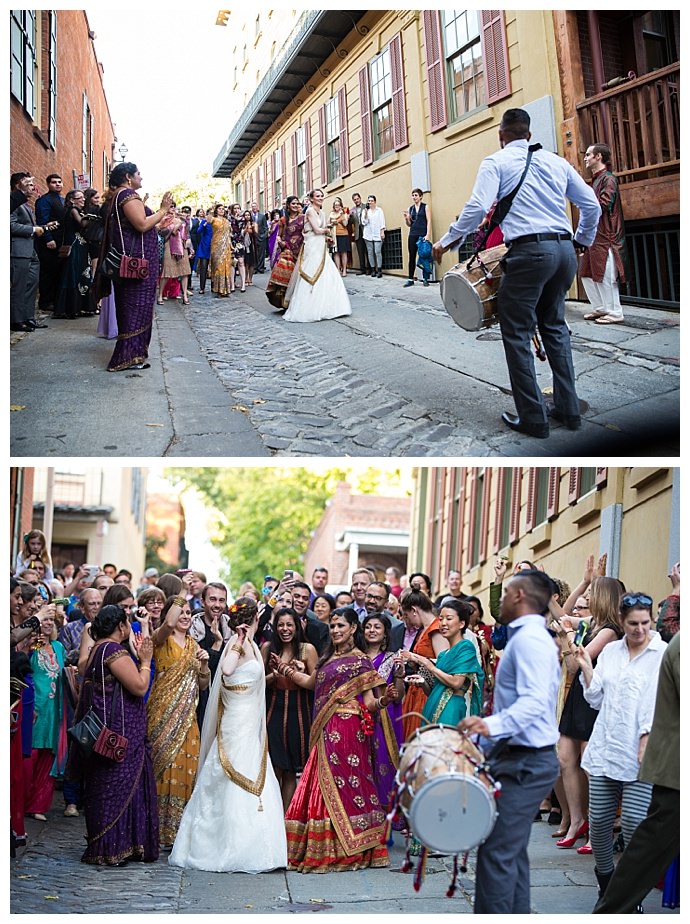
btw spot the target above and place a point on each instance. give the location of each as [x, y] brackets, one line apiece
[504, 204]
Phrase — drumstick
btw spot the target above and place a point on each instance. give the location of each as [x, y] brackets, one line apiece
[538, 348]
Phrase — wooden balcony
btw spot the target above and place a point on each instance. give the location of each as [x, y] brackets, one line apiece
[640, 120]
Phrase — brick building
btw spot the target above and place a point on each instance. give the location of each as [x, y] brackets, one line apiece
[359, 530]
[59, 116]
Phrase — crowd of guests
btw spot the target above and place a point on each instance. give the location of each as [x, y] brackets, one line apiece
[287, 707]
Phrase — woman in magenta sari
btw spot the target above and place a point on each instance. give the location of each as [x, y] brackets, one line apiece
[389, 665]
[131, 227]
[335, 820]
[120, 801]
[290, 240]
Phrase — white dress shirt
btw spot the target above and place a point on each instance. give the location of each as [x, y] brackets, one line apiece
[539, 205]
[373, 222]
[624, 692]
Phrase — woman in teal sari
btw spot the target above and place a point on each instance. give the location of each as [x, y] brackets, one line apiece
[458, 676]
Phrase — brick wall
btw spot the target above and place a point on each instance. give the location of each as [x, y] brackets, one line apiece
[78, 73]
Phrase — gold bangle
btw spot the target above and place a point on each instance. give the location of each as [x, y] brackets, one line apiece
[145, 669]
[238, 649]
[204, 673]
[180, 600]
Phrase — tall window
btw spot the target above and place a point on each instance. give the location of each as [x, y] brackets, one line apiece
[505, 502]
[301, 158]
[382, 103]
[87, 137]
[332, 140]
[52, 80]
[23, 58]
[464, 61]
[277, 179]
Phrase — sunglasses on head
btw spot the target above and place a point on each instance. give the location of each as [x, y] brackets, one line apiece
[636, 600]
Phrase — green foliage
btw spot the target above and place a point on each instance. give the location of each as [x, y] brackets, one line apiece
[265, 516]
[198, 193]
[153, 559]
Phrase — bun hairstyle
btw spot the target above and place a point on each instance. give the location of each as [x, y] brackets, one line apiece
[106, 620]
[242, 612]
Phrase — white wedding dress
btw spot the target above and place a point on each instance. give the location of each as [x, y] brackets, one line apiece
[235, 825]
[316, 291]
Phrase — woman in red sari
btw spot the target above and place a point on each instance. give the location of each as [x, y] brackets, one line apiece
[290, 238]
[335, 820]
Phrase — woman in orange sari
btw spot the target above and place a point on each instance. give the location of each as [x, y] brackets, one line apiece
[429, 643]
[181, 671]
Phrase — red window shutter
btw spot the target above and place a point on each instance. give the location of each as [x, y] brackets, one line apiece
[344, 137]
[283, 174]
[531, 500]
[307, 147]
[515, 506]
[258, 186]
[435, 70]
[400, 139]
[553, 494]
[484, 538]
[365, 109]
[266, 189]
[472, 511]
[573, 485]
[460, 526]
[498, 516]
[495, 53]
[293, 151]
[269, 182]
[601, 477]
[322, 144]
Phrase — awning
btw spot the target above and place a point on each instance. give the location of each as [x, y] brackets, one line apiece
[315, 38]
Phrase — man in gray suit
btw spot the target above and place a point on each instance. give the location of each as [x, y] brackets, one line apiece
[357, 233]
[24, 265]
[261, 222]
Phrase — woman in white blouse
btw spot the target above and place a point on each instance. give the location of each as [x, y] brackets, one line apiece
[623, 688]
[374, 224]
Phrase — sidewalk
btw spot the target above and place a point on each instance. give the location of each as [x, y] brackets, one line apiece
[397, 378]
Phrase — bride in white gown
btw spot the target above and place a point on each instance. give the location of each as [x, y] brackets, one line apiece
[316, 291]
[234, 821]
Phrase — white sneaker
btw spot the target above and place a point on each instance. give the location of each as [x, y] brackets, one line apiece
[71, 811]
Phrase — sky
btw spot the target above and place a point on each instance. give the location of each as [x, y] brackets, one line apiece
[165, 72]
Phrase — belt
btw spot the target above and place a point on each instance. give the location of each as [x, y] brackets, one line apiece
[525, 748]
[546, 236]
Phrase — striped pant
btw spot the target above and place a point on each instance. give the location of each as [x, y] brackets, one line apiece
[604, 796]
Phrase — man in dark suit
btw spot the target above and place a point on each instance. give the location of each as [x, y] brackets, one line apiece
[315, 631]
[261, 222]
[24, 265]
[358, 234]
[376, 602]
[49, 208]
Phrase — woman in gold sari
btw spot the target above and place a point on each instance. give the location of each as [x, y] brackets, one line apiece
[181, 671]
[222, 269]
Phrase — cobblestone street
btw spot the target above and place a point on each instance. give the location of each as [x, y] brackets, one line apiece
[397, 378]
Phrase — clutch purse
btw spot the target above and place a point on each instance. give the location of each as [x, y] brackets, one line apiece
[134, 267]
[111, 745]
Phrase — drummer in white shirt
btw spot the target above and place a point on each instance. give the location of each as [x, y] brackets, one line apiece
[539, 267]
[524, 759]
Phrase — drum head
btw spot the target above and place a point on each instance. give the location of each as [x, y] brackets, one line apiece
[462, 302]
[452, 813]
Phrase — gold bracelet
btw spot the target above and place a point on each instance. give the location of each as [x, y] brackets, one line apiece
[145, 669]
[239, 649]
[180, 601]
[204, 673]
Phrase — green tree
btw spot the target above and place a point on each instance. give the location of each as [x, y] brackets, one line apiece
[153, 559]
[265, 516]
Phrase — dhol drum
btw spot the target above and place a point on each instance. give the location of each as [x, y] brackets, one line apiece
[445, 790]
[469, 290]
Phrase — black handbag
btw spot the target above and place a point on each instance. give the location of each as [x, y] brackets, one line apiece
[92, 734]
[86, 732]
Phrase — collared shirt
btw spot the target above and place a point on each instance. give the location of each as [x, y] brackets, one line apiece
[624, 692]
[70, 637]
[374, 223]
[539, 205]
[527, 686]
[360, 610]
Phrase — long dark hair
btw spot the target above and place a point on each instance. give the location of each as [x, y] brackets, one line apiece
[385, 622]
[349, 615]
[276, 646]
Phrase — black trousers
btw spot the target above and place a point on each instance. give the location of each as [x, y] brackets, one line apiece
[412, 256]
[362, 254]
[652, 848]
[49, 277]
[261, 254]
[23, 285]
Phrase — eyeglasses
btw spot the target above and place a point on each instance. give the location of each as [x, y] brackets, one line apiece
[374, 597]
[636, 600]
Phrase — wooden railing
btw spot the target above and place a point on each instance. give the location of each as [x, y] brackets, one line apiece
[640, 121]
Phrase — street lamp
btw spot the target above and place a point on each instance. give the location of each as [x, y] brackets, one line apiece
[122, 150]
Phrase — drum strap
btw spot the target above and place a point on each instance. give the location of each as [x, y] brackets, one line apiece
[503, 205]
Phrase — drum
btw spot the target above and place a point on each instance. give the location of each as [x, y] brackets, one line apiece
[445, 791]
[469, 290]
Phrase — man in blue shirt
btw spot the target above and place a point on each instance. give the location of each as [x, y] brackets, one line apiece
[524, 759]
[538, 269]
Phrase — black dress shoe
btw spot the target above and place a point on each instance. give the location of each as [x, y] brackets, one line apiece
[33, 324]
[539, 431]
[23, 326]
[573, 422]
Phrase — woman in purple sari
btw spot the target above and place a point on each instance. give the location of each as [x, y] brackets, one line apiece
[335, 820]
[289, 242]
[120, 801]
[131, 228]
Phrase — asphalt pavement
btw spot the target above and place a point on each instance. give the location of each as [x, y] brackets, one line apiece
[231, 378]
[46, 877]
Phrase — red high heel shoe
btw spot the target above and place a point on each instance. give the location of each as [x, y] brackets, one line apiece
[582, 831]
